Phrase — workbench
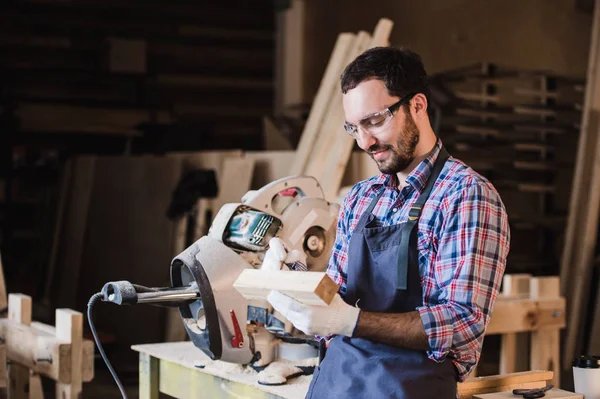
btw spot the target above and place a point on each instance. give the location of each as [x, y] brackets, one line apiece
[170, 368]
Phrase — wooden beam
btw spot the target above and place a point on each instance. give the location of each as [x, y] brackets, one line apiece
[42, 348]
[584, 205]
[311, 288]
[520, 315]
[19, 309]
[545, 343]
[513, 345]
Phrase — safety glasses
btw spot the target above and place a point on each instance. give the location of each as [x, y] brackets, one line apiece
[375, 123]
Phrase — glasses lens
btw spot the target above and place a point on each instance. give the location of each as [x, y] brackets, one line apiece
[375, 123]
[350, 129]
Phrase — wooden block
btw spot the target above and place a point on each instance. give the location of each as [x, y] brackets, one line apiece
[514, 345]
[520, 315]
[310, 288]
[89, 346]
[19, 308]
[69, 327]
[545, 343]
[551, 394]
[127, 56]
[544, 287]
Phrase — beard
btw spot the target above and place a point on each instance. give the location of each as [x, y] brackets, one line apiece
[403, 153]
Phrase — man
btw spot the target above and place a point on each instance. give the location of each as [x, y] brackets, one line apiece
[420, 249]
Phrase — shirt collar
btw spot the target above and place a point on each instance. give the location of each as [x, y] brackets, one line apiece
[418, 177]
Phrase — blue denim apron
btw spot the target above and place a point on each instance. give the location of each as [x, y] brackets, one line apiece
[360, 368]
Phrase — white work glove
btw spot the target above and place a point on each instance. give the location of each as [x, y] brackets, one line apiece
[277, 256]
[336, 318]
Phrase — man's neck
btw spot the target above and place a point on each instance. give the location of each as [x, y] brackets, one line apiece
[426, 144]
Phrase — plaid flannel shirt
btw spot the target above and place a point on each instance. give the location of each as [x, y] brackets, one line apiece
[463, 241]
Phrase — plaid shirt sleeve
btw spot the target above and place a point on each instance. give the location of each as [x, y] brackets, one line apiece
[337, 268]
[471, 256]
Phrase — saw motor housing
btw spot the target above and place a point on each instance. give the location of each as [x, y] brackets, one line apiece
[221, 322]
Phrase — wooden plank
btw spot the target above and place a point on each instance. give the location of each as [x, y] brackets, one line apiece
[289, 56]
[318, 111]
[333, 147]
[545, 344]
[506, 379]
[464, 394]
[49, 117]
[551, 394]
[514, 345]
[234, 181]
[311, 288]
[520, 315]
[74, 229]
[584, 205]
[69, 327]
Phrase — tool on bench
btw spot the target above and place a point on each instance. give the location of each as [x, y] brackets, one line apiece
[533, 392]
[218, 319]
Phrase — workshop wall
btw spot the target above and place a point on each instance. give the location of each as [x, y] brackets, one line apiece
[532, 34]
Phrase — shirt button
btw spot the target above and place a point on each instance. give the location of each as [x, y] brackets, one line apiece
[395, 210]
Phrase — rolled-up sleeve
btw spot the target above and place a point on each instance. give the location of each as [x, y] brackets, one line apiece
[472, 247]
[337, 268]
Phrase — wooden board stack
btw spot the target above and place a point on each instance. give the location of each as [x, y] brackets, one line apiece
[324, 148]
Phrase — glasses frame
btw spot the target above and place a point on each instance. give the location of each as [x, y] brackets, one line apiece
[352, 129]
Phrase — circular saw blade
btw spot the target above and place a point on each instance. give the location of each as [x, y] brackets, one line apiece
[309, 225]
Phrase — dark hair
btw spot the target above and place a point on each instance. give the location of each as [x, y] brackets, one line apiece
[400, 69]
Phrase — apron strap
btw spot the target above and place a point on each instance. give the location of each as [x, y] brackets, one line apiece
[413, 218]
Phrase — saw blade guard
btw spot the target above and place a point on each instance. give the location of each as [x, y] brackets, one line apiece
[216, 322]
[308, 220]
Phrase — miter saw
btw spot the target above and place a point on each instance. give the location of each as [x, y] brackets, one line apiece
[218, 319]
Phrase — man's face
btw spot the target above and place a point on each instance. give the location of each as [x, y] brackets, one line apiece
[393, 147]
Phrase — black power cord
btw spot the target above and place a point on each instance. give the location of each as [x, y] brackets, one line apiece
[91, 303]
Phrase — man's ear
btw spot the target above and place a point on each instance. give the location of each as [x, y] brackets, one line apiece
[419, 105]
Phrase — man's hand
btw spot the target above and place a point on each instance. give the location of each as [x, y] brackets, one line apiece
[337, 318]
[277, 257]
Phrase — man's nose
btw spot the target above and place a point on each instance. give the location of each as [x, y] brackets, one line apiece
[364, 139]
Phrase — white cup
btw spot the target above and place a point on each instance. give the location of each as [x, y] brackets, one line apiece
[586, 376]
